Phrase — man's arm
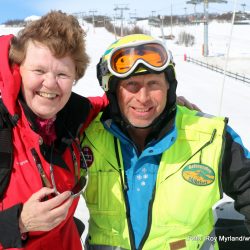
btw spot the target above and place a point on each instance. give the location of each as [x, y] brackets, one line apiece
[236, 173]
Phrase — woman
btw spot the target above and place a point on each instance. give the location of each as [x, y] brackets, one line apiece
[37, 71]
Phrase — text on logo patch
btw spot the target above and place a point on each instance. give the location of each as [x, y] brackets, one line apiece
[198, 174]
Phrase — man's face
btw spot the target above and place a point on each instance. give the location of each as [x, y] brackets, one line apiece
[142, 98]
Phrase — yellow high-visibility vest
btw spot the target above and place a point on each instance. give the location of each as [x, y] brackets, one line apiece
[187, 186]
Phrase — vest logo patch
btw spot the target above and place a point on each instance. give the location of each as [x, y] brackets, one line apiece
[88, 155]
[198, 174]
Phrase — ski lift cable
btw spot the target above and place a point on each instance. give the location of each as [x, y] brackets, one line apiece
[226, 61]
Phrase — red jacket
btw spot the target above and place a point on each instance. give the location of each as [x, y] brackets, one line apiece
[25, 178]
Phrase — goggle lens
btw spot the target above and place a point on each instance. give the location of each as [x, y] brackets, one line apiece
[79, 187]
[153, 54]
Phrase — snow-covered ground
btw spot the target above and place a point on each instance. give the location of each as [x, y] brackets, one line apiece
[218, 43]
[197, 84]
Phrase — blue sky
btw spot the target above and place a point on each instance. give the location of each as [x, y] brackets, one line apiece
[16, 9]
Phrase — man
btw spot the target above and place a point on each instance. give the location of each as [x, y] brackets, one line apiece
[156, 169]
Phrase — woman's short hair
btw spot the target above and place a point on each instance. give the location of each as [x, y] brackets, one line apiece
[58, 31]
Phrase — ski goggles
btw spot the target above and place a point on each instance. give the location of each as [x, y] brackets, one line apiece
[123, 61]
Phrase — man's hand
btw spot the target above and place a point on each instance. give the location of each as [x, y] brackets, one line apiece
[38, 215]
[181, 100]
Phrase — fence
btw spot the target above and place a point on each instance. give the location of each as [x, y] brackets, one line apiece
[215, 68]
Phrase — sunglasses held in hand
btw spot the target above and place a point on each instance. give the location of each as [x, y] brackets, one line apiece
[81, 177]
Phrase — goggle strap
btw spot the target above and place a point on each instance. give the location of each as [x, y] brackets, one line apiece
[103, 68]
[170, 73]
[99, 72]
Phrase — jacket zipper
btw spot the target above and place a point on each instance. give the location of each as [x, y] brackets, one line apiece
[125, 196]
[146, 234]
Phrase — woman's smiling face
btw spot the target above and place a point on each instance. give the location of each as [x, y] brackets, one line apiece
[46, 80]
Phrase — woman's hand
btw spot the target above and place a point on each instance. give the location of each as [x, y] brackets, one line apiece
[38, 215]
[181, 100]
